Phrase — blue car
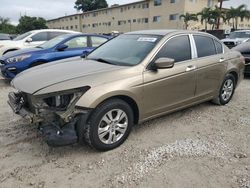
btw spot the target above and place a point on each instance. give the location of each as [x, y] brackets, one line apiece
[61, 47]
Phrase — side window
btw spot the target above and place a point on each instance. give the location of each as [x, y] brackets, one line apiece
[43, 36]
[205, 46]
[97, 41]
[219, 47]
[78, 42]
[177, 48]
[52, 35]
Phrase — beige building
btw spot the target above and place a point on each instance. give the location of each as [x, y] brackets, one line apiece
[147, 14]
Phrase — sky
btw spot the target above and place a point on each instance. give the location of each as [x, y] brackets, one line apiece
[50, 9]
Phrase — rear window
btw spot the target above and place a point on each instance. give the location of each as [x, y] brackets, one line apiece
[205, 46]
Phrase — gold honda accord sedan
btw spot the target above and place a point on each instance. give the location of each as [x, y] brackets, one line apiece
[132, 78]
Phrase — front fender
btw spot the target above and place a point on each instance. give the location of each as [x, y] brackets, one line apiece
[96, 95]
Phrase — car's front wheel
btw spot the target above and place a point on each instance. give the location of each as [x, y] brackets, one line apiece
[109, 125]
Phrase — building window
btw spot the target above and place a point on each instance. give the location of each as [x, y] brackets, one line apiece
[71, 18]
[157, 2]
[156, 18]
[71, 27]
[121, 22]
[76, 26]
[76, 17]
[144, 20]
[145, 6]
[134, 20]
[172, 1]
[210, 3]
[173, 16]
[95, 25]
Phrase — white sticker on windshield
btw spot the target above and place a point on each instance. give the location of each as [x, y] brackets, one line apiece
[146, 39]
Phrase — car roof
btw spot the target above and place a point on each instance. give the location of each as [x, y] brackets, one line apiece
[54, 30]
[153, 32]
[85, 34]
[167, 31]
[243, 31]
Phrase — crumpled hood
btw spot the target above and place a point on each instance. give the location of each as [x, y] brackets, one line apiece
[21, 52]
[74, 72]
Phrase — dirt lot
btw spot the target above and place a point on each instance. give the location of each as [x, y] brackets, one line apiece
[203, 146]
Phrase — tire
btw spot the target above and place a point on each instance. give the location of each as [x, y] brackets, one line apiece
[103, 134]
[226, 91]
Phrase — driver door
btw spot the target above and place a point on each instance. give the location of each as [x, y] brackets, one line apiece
[172, 88]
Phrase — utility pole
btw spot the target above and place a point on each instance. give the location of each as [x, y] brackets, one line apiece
[218, 20]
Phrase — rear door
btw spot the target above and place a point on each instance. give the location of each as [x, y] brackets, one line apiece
[168, 89]
[211, 65]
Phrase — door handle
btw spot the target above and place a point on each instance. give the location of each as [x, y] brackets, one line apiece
[190, 68]
[222, 60]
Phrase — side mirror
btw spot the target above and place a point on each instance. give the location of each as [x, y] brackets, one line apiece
[61, 47]
[28, 40]
[164, 63]
[85, 53]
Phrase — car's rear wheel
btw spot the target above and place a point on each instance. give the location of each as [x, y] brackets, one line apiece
[109, 125]
[226, 91]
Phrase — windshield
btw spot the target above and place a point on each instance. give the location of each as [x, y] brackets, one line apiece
[125, 49]
[51, 43]
[21, 37]
[239, 35]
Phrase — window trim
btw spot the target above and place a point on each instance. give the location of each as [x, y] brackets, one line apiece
[163, 44]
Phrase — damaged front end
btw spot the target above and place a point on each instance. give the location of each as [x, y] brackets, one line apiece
[56, 113]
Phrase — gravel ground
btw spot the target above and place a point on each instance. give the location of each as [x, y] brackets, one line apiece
[202, 146]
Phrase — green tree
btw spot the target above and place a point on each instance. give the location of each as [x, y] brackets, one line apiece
[235, 14]
[89, 5]
[215, 15]
[6, 27]
[205, 16]
[27, 23]
[187, 18]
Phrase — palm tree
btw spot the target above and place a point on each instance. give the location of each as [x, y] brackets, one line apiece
[188, 17]
[215, 15]
[205, 16]
[236, 13]
[4, 21]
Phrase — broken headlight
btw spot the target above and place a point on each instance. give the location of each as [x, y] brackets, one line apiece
[61, 100]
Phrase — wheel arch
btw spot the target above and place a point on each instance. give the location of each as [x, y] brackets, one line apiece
[126, 97]
[10, 50]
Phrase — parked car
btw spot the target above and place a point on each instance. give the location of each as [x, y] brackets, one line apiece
[130, 79]
[236, 38]
[30, 39]
[4, 36]
[61, 47]
[244, 49]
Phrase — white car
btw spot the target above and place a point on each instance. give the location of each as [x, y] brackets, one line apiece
[30, 39]
[237, 37]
